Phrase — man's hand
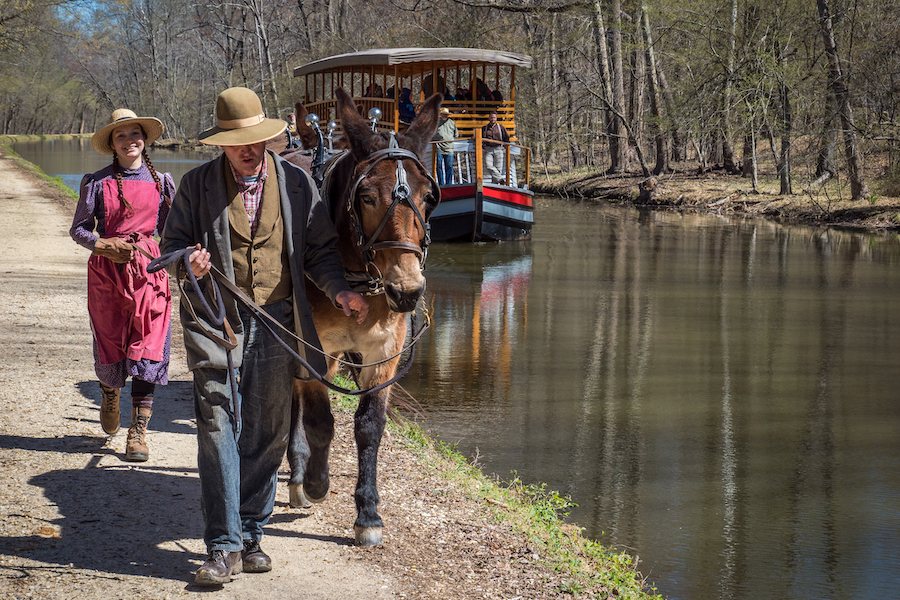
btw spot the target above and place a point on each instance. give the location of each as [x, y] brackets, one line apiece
[200, 261]
[352, 301]
[115, 249]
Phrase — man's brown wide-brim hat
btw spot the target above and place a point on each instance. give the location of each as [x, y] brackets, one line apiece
[152, 127]
[240, 120]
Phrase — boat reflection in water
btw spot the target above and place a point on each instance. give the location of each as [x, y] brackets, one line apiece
[478, 296]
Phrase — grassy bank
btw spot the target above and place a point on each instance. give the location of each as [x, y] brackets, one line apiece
[579, 567]
[61, 191]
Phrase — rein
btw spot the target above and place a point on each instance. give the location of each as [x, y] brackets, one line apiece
[228, 340]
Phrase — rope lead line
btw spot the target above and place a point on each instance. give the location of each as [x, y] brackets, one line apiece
[228, 339]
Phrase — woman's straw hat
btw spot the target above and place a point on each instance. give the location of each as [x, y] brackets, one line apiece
[240, 120]
[152, 127]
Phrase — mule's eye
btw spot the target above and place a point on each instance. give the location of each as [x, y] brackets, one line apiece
[367, 199]
[429, 199]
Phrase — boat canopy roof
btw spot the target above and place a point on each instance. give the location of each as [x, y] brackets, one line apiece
[399, 57]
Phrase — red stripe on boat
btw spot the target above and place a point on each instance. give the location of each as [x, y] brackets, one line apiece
[507, 196]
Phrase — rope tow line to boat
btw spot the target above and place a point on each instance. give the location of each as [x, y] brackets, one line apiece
[229, 341]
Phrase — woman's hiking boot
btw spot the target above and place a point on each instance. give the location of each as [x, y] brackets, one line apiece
[109, 409]
[136, 449]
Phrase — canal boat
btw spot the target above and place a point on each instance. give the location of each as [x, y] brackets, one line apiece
[474, 206]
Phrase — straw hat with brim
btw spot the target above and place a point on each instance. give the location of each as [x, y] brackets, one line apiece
[445, 111]
[153, 128]
[240, 120]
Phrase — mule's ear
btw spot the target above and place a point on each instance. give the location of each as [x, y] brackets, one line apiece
[308, 137]
[425, 124]
[356, 129]
[300, 112]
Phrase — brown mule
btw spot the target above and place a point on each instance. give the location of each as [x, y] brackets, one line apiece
[381, 196]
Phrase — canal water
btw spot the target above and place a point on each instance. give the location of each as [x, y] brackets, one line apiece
[719, 397]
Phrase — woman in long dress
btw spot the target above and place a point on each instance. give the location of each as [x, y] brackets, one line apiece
[119, 210]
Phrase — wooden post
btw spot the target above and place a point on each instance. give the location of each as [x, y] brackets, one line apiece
[507, 156]
[396, 98]
[528, 168]
[479, 162]
[472, 95]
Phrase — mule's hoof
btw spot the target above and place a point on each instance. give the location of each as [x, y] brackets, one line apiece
[368, 536]
[309, 490]
[297, 498]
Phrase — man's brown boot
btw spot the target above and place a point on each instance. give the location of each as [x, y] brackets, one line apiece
[136, 449]
[109, 409]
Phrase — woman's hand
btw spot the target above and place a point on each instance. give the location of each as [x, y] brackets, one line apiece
[199, 260]
[115, 249]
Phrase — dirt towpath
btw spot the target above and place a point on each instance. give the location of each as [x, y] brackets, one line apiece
[76, 521]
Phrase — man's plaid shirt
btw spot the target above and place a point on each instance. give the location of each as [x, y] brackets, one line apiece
[251, 194]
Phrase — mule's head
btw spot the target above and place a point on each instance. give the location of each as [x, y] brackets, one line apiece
[391, 214]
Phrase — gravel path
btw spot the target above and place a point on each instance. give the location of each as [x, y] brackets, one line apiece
[76, 521]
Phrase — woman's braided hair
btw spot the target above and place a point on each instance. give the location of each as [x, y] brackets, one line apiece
[118, 171]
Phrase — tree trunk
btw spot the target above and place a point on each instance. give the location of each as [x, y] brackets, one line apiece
[638, 82]
[600, 42]
[655, 108]
[554, 97]
[858, 188]
[784, 162]
[617, 141]
[679, 147]
[727, 131]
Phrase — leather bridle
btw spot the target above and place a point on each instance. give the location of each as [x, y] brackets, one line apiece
[370, 282]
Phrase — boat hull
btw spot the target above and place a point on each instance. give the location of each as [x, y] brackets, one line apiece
[491, 213]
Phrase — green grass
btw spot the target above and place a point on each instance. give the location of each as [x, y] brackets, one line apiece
[56, 183]
[534, 510]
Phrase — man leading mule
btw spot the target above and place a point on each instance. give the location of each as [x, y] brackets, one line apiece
[260, 221]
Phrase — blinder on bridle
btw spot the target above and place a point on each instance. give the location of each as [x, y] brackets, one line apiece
[400, 194]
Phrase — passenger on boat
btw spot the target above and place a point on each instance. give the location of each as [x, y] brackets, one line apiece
[482, 91]
[291, 132]
[446, 133]
[406, 108]
[492, 135]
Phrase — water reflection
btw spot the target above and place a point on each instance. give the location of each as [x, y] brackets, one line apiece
[717, 396]
[71, 159]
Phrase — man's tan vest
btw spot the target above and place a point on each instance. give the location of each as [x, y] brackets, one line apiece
[261, 266]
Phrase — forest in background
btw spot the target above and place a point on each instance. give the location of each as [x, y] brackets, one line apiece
[617, 85]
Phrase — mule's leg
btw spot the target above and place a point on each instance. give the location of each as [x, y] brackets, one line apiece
[318, 424]
[369, 424]
[298, 450]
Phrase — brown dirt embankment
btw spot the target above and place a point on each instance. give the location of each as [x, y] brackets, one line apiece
[714, 191]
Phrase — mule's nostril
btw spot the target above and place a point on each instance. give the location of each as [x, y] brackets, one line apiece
[401, 299]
